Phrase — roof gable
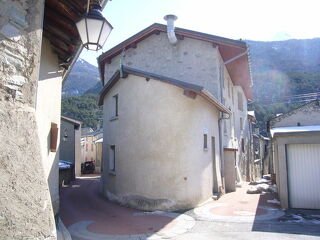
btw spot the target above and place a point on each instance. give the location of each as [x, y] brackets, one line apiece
[239, 69]
[71, 120]
[303, 115]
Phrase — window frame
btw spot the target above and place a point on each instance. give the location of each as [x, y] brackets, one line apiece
[112, 159]
[205, 141]
[115, 107]
[242, 145]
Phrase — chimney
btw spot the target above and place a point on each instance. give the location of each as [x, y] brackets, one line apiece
[170, 28]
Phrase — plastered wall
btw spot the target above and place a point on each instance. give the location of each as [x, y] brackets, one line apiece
[48, 109]
[25, 206]
[161, 162]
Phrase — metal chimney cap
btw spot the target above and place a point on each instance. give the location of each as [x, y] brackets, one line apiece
[170, 16]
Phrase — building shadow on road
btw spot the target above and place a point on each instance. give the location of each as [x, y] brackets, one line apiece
[85, 210]
[294, 221]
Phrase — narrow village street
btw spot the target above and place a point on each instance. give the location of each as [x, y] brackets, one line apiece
[238, 215]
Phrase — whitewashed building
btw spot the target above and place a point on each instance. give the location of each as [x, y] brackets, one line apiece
[175, 118]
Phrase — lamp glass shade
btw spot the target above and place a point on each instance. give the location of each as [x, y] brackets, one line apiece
[94, 31]
[106, 29]
[81, 26]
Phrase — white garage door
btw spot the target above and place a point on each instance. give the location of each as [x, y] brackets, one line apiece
[303, 162]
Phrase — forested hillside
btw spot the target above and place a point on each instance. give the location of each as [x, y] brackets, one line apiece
[83, 108]
[281, 72]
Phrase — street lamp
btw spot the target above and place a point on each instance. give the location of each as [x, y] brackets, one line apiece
[65, 135]
[94, 29]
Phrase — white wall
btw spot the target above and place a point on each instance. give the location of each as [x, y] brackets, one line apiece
[159, 145]
[48, 109]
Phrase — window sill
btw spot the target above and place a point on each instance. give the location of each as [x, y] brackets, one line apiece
[205, 149]
[112, 173]
[114, 118]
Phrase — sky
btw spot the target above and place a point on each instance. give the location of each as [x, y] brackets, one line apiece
[261, 20]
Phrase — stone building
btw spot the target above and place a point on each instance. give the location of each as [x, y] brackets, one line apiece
[39, 43]
[175, 113]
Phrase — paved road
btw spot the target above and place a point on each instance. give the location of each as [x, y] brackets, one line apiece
[89, 216]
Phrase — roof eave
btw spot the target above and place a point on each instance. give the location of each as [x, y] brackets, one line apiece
[205, 94]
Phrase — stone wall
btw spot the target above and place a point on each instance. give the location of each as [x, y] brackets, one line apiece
[25, 206]
[189, 60]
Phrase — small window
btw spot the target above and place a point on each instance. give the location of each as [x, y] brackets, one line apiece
[240, 102]
[86, 147]
[205, 141]
[229, 95]
[241, 123]
[115, 101]
[112, 159]
[91, 147]
[242, 144]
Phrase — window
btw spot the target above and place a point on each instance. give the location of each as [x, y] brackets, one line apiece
[115, 102]
[240, 102]
[91, 147]
[241, 123]
[205, 141]
[86, 147]
[112, 159]
[242, 144]
[229, 95]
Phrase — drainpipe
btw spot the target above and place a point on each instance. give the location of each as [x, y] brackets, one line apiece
[222, 117]
[170, 28]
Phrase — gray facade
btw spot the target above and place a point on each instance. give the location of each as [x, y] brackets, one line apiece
[67, 143]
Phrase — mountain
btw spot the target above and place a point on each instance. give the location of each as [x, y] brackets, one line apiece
[280, 71]
[95, 89]
[82, 77]
[284, 68]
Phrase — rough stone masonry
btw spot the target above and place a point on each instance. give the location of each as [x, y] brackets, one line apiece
[25, 207]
